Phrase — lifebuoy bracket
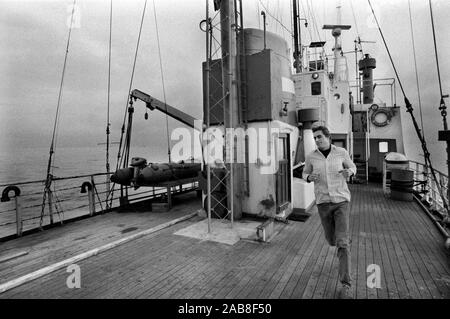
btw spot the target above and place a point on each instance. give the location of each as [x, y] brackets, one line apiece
[84, 185]
[5, 193]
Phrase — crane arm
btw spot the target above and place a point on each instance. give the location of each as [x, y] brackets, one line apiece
[153, 103]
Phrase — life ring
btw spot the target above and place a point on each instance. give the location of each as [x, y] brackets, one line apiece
[380, 113]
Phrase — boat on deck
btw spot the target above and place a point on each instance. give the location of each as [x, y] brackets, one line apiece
[242, 224]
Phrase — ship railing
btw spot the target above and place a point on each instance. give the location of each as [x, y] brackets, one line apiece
[427, 187]
[70, 198]
[355, 86]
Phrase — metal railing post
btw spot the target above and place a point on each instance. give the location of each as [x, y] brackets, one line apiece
[50, 205]
[19, 222]
[92, 197]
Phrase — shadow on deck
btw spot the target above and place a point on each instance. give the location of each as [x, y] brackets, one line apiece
[297, 263]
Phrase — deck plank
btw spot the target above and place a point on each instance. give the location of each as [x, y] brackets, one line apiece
[328, 273]
[271, 264]
[254, 290]
[370, 249]
[390, 231]
[361, 286]
[314, 228]
[316, 268]
[306, 273]
[388, 287]
[421, 245]
[413, 277]
[83, 235]
[320, 274]
[300, 238]
[297, 263]
[300, 264]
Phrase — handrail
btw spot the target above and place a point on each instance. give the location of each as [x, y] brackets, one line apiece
[56, 179]
[428, 187]
[436, 170]
[67, 200]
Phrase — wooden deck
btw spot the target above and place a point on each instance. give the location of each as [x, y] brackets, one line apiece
[297, 263]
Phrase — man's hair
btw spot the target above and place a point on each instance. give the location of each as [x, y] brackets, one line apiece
[322, 128]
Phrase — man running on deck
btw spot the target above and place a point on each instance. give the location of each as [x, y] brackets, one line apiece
[329, 167]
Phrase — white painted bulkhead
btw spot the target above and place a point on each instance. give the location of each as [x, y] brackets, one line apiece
[264, 155]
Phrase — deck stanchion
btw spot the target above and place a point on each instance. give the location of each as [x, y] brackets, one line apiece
[17, 199]
[90, 196]
[50, 205]
[19, 222]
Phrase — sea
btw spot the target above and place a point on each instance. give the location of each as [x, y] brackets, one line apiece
[20, 165]
[30, 163]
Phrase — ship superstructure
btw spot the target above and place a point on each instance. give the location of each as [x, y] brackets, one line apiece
[259, 108]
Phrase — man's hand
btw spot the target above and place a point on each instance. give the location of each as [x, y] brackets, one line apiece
[313, 177]
[346, 172]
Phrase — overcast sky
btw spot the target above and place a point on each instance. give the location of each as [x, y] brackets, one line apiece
[34, 34]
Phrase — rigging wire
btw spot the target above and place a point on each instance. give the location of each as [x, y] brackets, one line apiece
[442, 106]
[356, 28]
[309, 29]
[410, 110]
[108, 124]
[283, 31]
[324, 19]
[120, 156]
[48, 180]
[415, 68]
[257, 15]
[276, 10]
[313, 17]
[269, 14]
[292, 26]
[162, 79]
[387, 49]
[443, 109]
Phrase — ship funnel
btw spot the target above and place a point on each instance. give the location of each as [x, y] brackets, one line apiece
[366, 65]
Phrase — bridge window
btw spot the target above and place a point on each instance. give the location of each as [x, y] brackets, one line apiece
[316, 88]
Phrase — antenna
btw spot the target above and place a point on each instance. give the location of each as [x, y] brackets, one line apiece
[336, 32]
[339, 13]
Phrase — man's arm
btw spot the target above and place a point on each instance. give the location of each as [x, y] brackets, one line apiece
[307, 169]
[348, 163]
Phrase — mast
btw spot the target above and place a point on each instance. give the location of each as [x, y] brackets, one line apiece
[297, 58]
[336, 32]
[231, 105]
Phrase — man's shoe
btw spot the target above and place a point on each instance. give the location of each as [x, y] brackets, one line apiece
[345, 292]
